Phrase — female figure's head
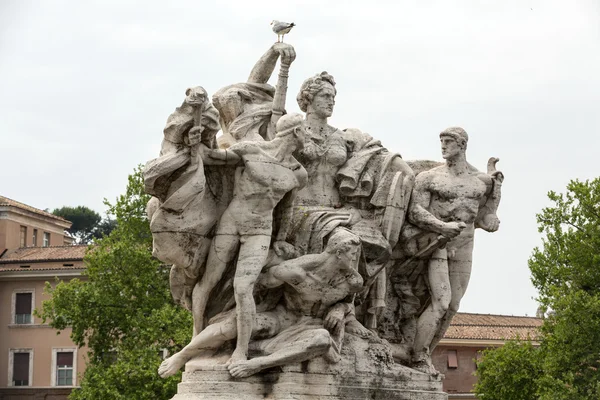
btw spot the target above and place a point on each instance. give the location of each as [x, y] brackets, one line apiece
[290, 127]
[317, 95]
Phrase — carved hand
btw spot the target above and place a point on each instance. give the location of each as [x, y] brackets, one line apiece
[489, 223]
[286, 52]
[452, 229]
[284, 250]
[334, 317]
[195, 134]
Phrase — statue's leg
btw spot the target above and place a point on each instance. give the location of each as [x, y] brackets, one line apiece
[459, 270]
[222, 251]
[430, 320]
[312, 343]
[212, 337]
[253, 254]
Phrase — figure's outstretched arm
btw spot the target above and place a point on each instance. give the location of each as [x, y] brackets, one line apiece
[219, 157]
[288, 55]
[292, 272]
[264, 67]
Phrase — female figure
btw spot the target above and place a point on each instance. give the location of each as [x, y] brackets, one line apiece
[376, 188]
[270, 174]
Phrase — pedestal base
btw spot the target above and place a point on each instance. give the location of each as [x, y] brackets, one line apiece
[298, 385]
[366, 371]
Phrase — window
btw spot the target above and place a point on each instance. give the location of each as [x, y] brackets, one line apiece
[34, 241]
[23, 306]
[20, 367]
[452, 359]
[23, 237]
[46, 242]
[63, 367]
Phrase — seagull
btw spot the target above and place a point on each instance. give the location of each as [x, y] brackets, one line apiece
[281, 28]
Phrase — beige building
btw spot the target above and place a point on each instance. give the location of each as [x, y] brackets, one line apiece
[467, 336]
[35, 362]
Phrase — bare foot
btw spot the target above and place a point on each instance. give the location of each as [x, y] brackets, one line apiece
[237, 356]
[243, 369]
[356, 328]
[171, 365]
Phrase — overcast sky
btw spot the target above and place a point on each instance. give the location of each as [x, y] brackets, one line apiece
[86, 88]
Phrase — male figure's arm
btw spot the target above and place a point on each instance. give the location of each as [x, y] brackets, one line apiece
[419, 213]
[293, 272]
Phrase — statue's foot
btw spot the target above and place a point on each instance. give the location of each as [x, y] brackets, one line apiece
[356, 328]
[243, 369]
[425, 365]
[237, 357]
[171, 365]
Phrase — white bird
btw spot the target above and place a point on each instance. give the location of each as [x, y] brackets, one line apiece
[281, 28]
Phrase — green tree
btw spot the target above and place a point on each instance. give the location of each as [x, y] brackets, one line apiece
[84, 221]
[122, 309]
[510, 372]
[566, 272]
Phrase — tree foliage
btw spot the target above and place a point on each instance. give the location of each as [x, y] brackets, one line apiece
[566, 272]
[87, 224]
[510, 372]
[122, 308]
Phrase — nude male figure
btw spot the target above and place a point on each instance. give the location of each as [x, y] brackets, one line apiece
[450, 200]
[309, 320]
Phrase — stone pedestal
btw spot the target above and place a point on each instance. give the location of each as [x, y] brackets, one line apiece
[366, 371]
[288, 385]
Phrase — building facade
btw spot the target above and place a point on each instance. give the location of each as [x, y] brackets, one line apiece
[467, 336]
[35, 362]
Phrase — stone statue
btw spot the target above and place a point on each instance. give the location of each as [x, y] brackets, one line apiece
[183, 210]
[270, 174]
[448, 200]
[316, 263]
[250, 110]
[308, 321]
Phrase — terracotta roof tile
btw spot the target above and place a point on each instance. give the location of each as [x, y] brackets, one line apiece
[492, 327]
[5, 201]
[41, 254]
[42, 267]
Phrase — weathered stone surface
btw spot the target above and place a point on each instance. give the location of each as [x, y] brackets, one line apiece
[300, 385]
[317, 263]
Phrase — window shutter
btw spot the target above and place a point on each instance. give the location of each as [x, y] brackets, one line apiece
[452, 359]
[64, 359]
[23, 303]
[21, 367]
